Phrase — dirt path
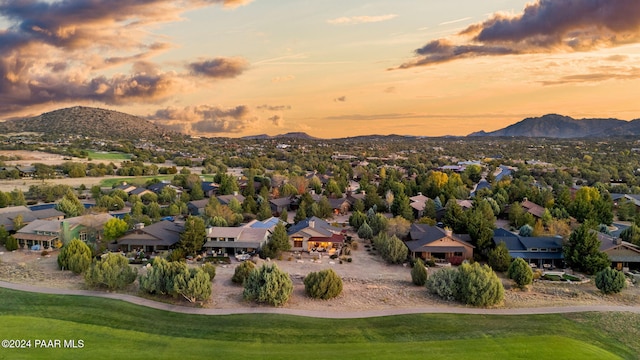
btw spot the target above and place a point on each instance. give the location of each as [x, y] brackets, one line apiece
[321, 314]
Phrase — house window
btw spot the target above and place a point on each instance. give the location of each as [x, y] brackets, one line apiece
[297, 242]
[543, 250]
[533, 249]
[83, 236]
[457, 253]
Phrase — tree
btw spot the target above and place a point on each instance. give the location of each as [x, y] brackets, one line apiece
[112, 272]
[398, 226]
[478, 285]
[454, 217]
[193, 284]
[4, 235]
[401, 207]
[192, 239]
[499, 258]
[365, 232]
[419, 273]
[114, 228]
[160, 277]
[392, 249]
[75, 256]
[264, 212]
[18, 197]
[520, 272]
[11, 243]
[582, 251]
[278, 243]
[443, 283]
[242, 271]
[18, 222]
[610, 281]
[525, 230]
[268, 284]
[631, 234]
[324, 284]
[70, 205]
[301, 214]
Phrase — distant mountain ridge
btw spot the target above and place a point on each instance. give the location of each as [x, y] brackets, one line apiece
[289, 135]
[565, 127]
[88, 121]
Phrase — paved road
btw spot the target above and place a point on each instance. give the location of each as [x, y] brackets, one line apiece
[322, 314]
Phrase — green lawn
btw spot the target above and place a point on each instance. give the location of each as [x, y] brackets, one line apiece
[138, 180]
[108, 155]
[114, 329]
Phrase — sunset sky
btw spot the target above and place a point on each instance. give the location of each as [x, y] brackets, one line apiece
[328, 68]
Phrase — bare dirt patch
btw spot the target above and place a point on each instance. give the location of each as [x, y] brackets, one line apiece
[369, 284]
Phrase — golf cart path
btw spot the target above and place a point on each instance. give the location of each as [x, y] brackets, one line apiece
[323, 314]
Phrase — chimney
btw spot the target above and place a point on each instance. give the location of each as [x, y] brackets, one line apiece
[312, 224]
[448, 232]
[138, 226]
[364, 192]
[618, 241]
[235, 193]
[419, 193]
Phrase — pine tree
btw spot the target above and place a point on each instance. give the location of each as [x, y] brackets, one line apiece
[325, 284]
[192, 239]
[419, 273]
[75, 256]
[268, 284]
[520, 272]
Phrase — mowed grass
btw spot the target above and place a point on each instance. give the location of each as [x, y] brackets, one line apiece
[108, 155]
[137, 181]
[115, 329]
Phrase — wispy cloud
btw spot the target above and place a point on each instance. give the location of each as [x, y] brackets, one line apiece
[598, 74]
[353, 20]
[454, 21]
[546, 26]
[340, 99]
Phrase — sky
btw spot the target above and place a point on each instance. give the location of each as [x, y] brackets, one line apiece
[329, 68]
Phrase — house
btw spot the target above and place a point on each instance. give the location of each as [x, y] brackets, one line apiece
[9, 215]
[426, 242]
[226, 241]
[226, 199]
[268, 224]
[418, 203]
[532, 208]
[46, 233]
[340, 206]
[313, 227]
[280, 205]
[196, 207]
[161, 236]
[543, 252]
[26, 171]
[158, 187]
[326, 244]
[465, 204]
[624, 256]
[128, 188]
[209, 188]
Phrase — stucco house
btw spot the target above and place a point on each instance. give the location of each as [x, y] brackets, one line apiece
[427, 241]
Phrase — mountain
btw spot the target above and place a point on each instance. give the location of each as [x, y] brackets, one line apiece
[558, 126]
[88, 121]
[289, 135]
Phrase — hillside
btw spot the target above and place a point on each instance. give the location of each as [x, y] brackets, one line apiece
[558, 126]
[289, 135]
[88, 121]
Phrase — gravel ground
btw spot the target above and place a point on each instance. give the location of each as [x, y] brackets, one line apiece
[369, 284]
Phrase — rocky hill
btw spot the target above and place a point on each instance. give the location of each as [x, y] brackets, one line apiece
[88, 121]
[558, 126]
[289, 135]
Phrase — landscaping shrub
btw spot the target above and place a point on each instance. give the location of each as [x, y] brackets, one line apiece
[443, 283]
[419, 273]
[112, 271]
[610, 281]
[520, 272]
[210, 269]
[268, 284]
[75, 256]
[11, 243]
[242, 271]
[325, 284]
[478, 285]
[499, 258]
